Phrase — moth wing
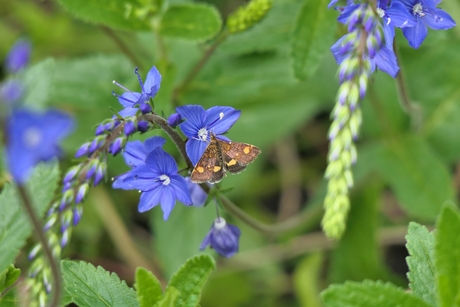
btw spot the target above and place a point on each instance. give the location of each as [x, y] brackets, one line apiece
[209, 168]
[237, 156]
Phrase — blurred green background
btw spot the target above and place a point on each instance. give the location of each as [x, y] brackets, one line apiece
[407, 165]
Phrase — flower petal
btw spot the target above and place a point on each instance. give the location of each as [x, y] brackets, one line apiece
[135, 153]
[180, 188]
[168, 200]
[195, 150]
[126, 112]
[207, 240]
[129, 99]
[416, 35]
[194, 116]
[220, 119]
[399, 16]
[386, 61]
[153, 143]
[161, 162]
[149, 199]
[152, 82]
[197, 194]
[439, 21]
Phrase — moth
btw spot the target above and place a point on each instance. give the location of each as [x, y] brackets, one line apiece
[222, 156]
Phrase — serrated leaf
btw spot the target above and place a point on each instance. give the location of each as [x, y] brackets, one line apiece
[170, 298]
[94, 287]
[120, 14]
[14, 222]
[421, 182]
[11, 275]
[447, 257]
[148, 288]
[306, 277]
[312, 37]
[190, 278]
[420, 244]
[195, 22]
[369, 293]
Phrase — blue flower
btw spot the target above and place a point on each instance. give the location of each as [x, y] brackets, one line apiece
[223, 238]
[133, 101]
[425, 13]
[174, 120]
[19, 56]
[135, 154]
[198, 195]
[159, 183]
[33, 137]
[199, 124]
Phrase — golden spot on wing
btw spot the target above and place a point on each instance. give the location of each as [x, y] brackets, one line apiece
[246, 149]
[200, 169]
[216, 168]
[231, 162]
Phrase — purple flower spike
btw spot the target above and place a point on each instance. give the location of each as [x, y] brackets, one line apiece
[116, 146]
[11, 91]
[19, 56]
[133, 101]
[92, 169]
[83, 150]
[32, 138]
[100, 173]
[142, 126]
[223, 238]
[100, 129]
[129, 128]
[174, 120]
[200, 123]
[159, 182]
[71, 174]
[81, 193]
[77, 213]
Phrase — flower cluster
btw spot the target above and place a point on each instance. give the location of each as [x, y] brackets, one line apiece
[367, 46]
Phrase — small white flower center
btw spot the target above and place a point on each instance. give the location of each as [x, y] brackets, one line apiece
[418, 9]
[203, 134]
[32, 137]
[165, 179]
[219, 223]
[380, 12]
[221, 115]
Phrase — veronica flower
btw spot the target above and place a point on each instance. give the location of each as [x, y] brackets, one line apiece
[223, 238]
[135, 154]
[159, 183]
[198, 195]
[11, 91]
[133, 101]
[200, 123]
[32, 138]
[425, 14]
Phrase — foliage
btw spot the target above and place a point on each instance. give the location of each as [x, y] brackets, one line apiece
[276, 65]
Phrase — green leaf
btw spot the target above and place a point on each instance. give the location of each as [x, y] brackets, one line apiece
[306, 277]
[411, 167]
[148, 288]
[195, 22]
[312, 37]
[94, 287]
[14, 222]
[447, 257]
[9, 299]
[174, 245]
[420, 244]
[38, 83]
[119, 14]
[190, 278]
[369, 293]
[9, 276]
[169, 299]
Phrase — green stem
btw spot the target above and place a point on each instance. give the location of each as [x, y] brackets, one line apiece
[412, 109]
[55, 270]
[198, 66]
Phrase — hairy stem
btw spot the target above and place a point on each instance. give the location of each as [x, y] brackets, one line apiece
[55, 270]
